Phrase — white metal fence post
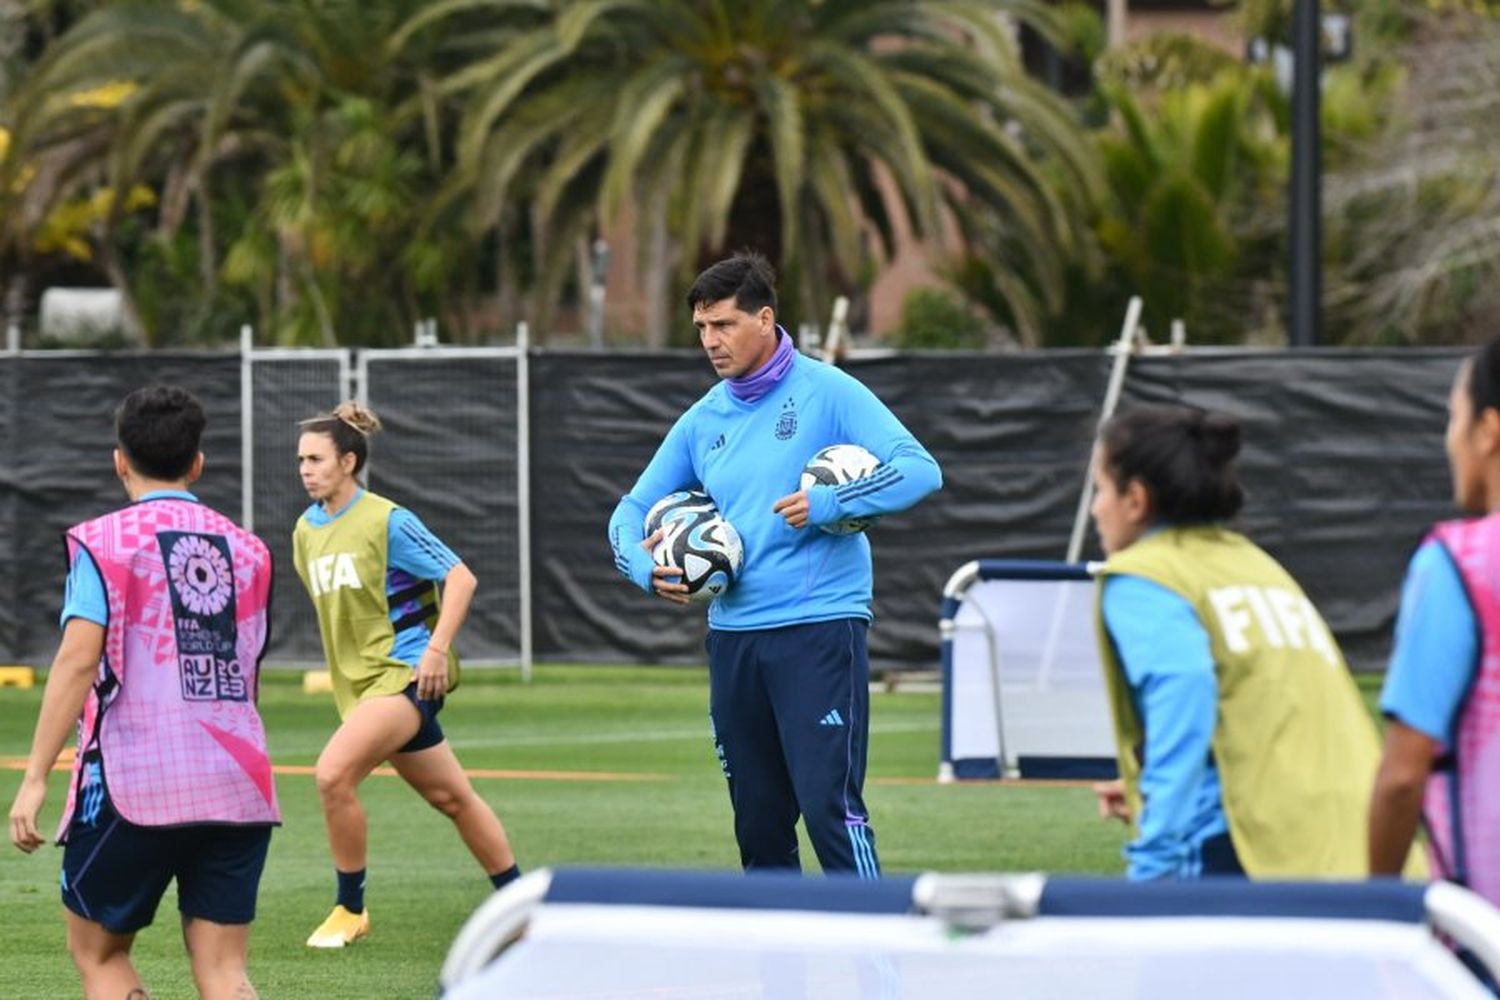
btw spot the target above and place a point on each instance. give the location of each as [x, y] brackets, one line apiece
[247, 428]
[1121, 351]
[523, 488]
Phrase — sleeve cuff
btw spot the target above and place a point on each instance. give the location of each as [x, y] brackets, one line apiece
[822, 504]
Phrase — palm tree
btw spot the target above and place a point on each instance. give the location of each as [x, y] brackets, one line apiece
[24, 25]
[185, 78]
[275, 115]
[1413, 214]
[797, 126]
[1185, 170]
[12, 38]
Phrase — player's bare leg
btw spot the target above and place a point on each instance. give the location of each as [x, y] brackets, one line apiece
[103, 960]
[218, 954]
[438, 777]
[371, 733]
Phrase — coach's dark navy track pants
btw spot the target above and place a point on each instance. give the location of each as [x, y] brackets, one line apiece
[790, 712]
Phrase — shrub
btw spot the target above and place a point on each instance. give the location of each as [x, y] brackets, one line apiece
[933, 318]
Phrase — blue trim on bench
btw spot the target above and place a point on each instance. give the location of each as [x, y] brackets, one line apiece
[1032, 569]
[1378, 899]
[732, 890]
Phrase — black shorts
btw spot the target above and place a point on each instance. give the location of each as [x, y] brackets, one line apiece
[114, 872]
[430, 733]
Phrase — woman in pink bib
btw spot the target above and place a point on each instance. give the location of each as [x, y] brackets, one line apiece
[1441, 767]
[164, 625]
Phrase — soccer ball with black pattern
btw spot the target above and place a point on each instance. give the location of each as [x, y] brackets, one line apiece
[698, 541]
[836, 465]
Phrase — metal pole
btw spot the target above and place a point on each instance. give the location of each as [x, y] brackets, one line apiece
[360, 393]
[247, 428]
[1111, 400]
[838, 327]
[523, 489]
[600, 267]
[1306, 194]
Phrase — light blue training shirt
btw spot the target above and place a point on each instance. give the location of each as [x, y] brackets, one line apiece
[746, 456]
[414, 553]
[1437, 646]
[1168, 661]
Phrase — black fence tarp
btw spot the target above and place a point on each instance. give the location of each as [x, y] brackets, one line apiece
[596, 419]
[284, 392]
[57, 470]
[448, 452]
[1007, 432]
[1343, 462]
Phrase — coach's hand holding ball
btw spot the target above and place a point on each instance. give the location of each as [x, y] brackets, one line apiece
[666, 580]
[795, 507]
[834, 466]
[697, 552]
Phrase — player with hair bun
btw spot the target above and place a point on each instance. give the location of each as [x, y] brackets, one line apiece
[1244, 747]
[373, 571]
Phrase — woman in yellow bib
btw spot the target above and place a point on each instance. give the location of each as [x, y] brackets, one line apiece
[1244, 747]
[373, 569]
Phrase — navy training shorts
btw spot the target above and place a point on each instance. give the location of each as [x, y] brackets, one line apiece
[115, 872]
[430, 732]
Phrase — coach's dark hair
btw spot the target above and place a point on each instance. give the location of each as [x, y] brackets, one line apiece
[747, 277]
[350, 426]
[1484, 377]
[159, 429]
[1182, 456]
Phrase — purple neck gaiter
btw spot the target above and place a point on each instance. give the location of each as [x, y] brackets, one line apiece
[749, 388]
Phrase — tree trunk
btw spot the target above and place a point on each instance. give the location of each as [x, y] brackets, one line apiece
[320, 305]
[539, 311]
[208, 255]
[660, 267]
[15, 300]
[507, 285]
[130, 316]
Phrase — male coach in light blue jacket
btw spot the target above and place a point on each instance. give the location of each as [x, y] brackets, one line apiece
[788, 667]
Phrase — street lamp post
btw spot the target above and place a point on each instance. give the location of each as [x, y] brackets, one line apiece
[1306, 194]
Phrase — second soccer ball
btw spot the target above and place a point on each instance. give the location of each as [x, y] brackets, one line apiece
[837, 465]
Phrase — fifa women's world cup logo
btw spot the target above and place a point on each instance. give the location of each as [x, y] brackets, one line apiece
[200, 580]
[201, 577]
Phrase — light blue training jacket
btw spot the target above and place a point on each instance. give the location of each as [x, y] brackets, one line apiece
[747, 455]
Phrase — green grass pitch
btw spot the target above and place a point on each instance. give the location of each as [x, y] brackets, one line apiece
[651, 724]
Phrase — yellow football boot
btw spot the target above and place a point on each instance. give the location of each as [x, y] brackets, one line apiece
[340, 929]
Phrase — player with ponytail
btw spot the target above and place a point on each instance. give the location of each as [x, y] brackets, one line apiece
[373, 571]
[1243, 745]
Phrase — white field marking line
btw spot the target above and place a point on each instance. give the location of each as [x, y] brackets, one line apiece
[284, 747]
[385, 771]
[649, 736]
[281, 747]
[17, 764]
